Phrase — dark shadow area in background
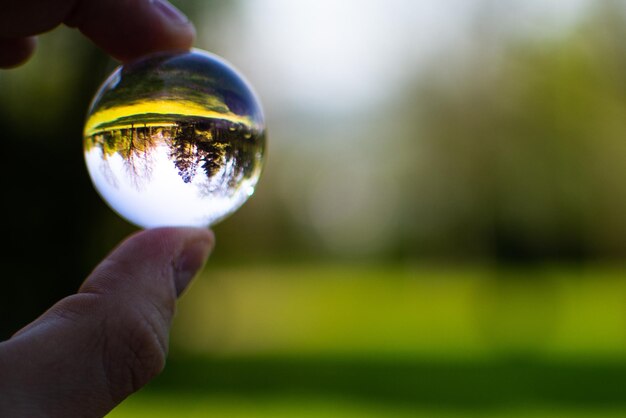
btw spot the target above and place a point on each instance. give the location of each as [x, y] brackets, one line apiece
[51, 213]
[404, 382]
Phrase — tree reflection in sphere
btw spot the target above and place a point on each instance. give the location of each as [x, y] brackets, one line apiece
[175, 139]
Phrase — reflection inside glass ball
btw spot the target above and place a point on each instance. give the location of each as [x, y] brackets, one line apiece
[175, 140]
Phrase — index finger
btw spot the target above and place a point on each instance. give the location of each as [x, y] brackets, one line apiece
[125, 29]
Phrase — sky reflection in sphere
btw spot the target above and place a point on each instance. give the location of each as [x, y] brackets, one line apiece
[175, 140]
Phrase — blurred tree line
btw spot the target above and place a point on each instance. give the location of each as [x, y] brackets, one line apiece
[520, 151]
[513, 151]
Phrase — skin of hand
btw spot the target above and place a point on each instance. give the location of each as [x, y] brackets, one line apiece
[94, 348]
[125, 29]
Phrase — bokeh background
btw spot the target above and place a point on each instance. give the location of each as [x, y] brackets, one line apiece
[439, 230]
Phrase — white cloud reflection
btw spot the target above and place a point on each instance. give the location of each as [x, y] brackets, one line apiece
[155, 194]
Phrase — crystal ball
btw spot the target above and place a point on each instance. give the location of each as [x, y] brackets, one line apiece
[175, 139]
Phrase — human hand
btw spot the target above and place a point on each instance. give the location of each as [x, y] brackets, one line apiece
[125, 29]
[93, 349]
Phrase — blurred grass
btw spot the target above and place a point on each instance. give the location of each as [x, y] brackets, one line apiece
[370, 341]
[464, 312]
[165, 406]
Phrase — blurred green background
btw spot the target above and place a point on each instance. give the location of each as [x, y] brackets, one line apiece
[439, 230]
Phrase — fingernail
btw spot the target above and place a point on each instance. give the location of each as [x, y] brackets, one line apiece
[191, 259]
[170, 12]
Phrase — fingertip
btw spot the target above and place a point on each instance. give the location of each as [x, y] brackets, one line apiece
[141, 27]
[15, 52]
[172, 237]
[169, 12]
[159, 261]
[192, 259]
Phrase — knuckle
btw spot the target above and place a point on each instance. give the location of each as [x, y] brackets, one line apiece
[75, 307]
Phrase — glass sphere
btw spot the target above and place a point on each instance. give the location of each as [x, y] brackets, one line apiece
[175, 139]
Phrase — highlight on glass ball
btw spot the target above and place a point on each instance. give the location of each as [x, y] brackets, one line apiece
[175, 139]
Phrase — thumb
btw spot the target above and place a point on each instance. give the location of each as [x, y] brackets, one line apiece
[92, 349]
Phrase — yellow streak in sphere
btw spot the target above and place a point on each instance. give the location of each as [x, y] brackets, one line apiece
[164, 107]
